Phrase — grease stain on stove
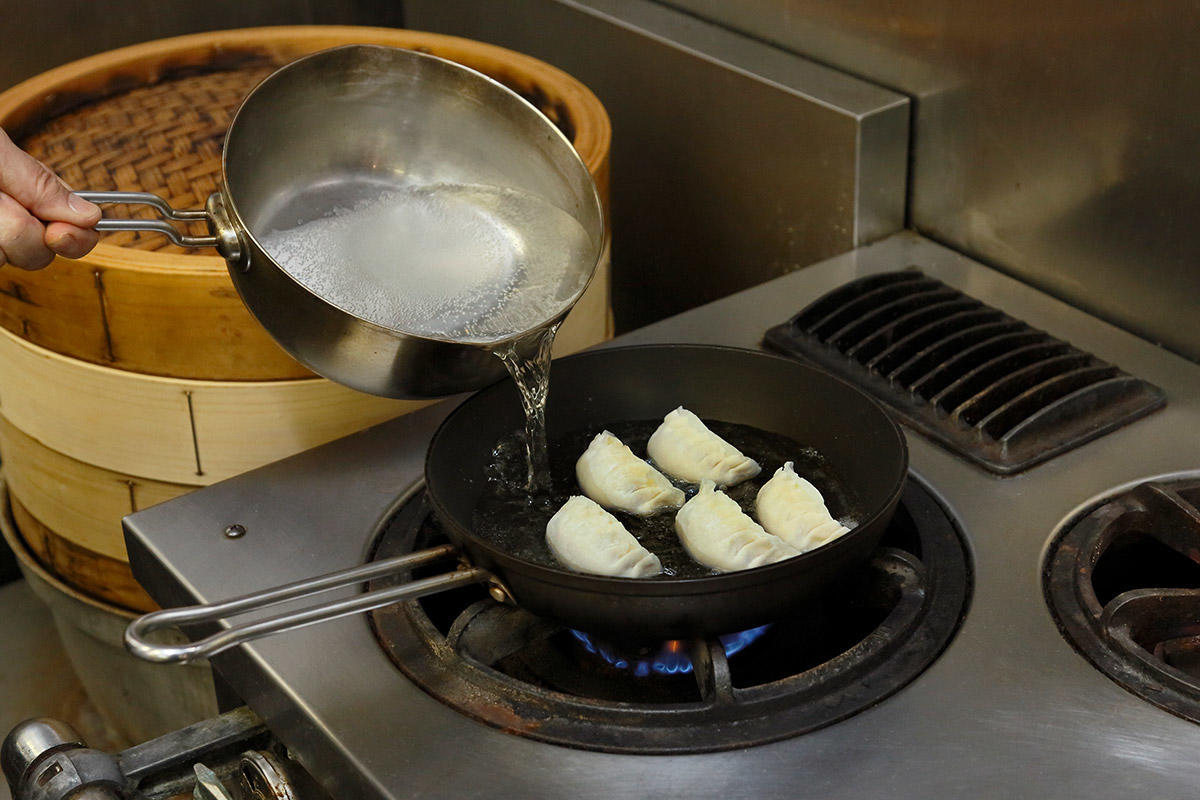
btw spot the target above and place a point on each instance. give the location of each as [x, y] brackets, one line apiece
[503, 716]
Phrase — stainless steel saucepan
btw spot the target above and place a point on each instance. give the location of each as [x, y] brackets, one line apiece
[335, 126]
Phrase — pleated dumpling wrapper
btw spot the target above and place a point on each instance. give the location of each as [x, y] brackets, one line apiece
[586, 538]
[716, 533]
[609, 473]
[794, 510]
[684, 447]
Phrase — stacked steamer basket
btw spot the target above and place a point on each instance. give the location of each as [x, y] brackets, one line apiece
[135, 374]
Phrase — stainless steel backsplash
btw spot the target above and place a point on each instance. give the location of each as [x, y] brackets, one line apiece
[1057, 141]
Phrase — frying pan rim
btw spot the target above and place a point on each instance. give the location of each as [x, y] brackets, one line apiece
[707, 584]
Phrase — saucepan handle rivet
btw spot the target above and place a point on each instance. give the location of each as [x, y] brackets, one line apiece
[235, 531]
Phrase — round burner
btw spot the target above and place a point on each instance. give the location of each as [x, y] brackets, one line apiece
[846, 650]
[1123, 583]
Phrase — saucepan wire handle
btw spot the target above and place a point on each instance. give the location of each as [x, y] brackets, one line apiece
[225, 236]
[151, 225]
[136, 634]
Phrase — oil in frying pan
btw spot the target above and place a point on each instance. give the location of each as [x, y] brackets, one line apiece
[505, 518]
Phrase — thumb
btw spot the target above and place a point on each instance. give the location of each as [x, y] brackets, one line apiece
[35, 186]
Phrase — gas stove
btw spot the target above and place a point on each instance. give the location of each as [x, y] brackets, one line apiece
[845, 649]
[1003, 700]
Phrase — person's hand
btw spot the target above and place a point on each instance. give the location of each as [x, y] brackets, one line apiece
[38, 214]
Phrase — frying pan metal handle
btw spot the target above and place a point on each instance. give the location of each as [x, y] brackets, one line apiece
[136, 640]
[224, 237]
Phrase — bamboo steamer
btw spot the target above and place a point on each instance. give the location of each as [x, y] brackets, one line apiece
[96, 575]
[135, 374]
[151, 117]
[173, 429]
[61, 494]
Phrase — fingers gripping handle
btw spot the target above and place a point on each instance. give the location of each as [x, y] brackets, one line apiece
[136, 634]
[224, 238]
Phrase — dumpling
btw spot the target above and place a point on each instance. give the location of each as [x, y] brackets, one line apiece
[793, 509]
[614, 477]
[684, 447]
[586, 538]
[716, 532]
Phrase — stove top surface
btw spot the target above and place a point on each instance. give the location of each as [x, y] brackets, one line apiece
[1009, 709]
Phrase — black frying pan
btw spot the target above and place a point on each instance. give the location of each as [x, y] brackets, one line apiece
[588, 392]
[595, 389]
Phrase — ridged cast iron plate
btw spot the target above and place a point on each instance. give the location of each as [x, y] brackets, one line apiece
[989, 387]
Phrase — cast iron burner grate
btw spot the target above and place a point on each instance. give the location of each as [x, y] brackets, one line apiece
[845, 651]
[987, 386]
[1123, 584]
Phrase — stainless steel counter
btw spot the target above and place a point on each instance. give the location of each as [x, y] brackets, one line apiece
[1009, 710]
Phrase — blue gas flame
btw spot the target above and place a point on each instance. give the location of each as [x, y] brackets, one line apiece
[671, 658]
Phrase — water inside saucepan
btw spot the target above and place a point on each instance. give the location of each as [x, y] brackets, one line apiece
[464, 263]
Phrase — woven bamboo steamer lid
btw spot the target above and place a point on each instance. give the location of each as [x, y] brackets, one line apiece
[151, 117]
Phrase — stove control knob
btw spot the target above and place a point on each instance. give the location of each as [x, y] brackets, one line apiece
[263, 778]
[29, 742]
[44, 759]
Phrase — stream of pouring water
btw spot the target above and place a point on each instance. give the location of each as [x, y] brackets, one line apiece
[528, 362]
